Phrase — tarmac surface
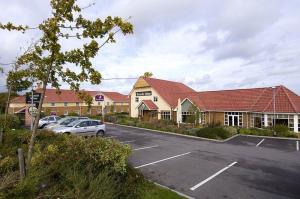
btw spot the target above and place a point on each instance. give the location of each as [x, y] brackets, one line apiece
[243, 167]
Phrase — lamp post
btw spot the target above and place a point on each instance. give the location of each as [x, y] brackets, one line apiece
[274, 110]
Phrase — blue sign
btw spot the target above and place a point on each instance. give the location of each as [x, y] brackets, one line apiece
[99, 98]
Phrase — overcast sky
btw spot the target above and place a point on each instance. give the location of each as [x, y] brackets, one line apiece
[206, 44]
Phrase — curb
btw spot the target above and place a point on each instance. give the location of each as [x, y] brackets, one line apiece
[177, 134]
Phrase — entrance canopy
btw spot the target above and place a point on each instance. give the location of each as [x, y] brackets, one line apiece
[147, 105]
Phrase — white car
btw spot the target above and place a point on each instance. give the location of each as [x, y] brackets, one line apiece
[64, 122]
[83, 127]
[48, 120]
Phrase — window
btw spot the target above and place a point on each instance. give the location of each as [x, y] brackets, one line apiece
[188, 117]
[66, 112]
[95, 123]
[83, 124]
[202, 118]
[136, 99]
[155, 99]
[52, 104]
[298, 124]
[233, 119]
[165, 115]
[66, 104]
[257, 120]
[51, 119]
[77, 103]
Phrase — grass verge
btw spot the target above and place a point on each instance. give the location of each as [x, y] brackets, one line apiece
[156, 192]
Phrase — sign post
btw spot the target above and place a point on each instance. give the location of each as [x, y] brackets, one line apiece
[32, 98]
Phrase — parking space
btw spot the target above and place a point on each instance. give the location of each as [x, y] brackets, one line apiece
[288, 145]
[244, 167]
[245, 141]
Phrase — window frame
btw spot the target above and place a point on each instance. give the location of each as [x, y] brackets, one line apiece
[165, 115]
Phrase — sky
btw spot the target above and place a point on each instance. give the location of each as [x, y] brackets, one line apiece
[206, 44]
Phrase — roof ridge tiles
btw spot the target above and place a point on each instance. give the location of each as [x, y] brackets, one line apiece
[292, 103]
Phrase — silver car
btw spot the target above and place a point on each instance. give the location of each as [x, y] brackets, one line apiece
[83, 127]
[48, 120]
[64, 122]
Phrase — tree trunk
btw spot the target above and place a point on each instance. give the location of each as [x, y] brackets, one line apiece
[35, 125]
[5, 115]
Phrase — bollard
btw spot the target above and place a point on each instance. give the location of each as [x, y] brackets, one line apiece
[21, 163]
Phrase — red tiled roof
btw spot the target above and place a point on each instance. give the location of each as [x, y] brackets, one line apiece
[19, 99]
[150, 104]
[253, 100]
[71, 96]
[170, 91]
[116, 97]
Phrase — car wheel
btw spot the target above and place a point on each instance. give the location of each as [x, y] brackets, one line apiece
[43, 126]
[67, 133]
[100, 133]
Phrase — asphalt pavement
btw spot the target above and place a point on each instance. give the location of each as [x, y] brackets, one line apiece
[243, 167]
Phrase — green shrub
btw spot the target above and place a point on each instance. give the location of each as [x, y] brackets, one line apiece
[256, 131]
[281, 131]
[213, 133]
[70, 166]
[13, 122]
[232, 130]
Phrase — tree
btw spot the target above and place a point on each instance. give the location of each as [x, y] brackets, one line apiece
[17, 80]
[148, 74]
[53, 64]
[195, 117]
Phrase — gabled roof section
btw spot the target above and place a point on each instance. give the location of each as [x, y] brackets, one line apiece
[19, 99]
[252, 100]
[51, 96]
[149, 104]
[170, 91]
[116, 97]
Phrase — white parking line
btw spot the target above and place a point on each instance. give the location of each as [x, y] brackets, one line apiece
[129, 141]
[144, 165]
[147, 147]
[260, 142]
[211, 177]
[297, 145]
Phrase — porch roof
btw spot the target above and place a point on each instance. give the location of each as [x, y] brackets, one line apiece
[149, 104]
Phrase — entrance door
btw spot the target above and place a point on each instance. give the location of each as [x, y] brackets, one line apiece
[233, 120]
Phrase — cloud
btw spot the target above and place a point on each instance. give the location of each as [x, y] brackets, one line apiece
[207, 44]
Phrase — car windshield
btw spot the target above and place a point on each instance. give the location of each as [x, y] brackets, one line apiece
[68, 121]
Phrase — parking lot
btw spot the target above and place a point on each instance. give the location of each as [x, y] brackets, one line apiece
[243, 167]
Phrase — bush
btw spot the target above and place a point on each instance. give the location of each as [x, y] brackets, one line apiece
[281, 131]
[213, 133]
[256, 131]
[69, 166]
[12, 122]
